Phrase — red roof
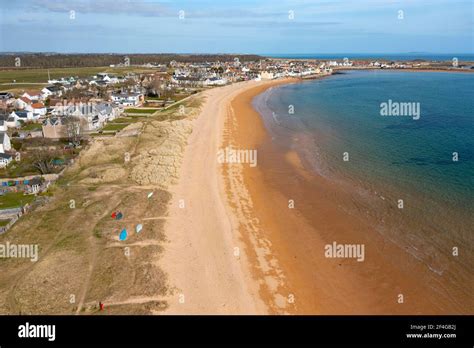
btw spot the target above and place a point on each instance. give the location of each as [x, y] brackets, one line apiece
[26, 100]
[38, 105]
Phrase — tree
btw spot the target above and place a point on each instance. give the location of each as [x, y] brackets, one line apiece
[43, 160]
[74, 129]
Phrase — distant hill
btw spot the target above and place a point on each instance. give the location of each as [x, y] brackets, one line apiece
[55, 60]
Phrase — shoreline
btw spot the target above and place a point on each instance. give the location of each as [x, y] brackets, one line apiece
[235, 247]
[205, 258]
[297, 236]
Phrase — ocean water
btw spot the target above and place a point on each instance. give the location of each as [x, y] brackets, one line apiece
[391, 157]
[466, 57]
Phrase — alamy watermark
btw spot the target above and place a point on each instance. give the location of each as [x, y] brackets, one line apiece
[37, 331]
[345, 251]
[26, 251]
[232, 156]
[393, 108]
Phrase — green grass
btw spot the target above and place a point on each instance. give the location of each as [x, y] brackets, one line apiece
[31, 127]
[101, 134]
[19, 169]
[4, 223]
[14, 200]
[26, 75]
[114, 126]
[140, 111]
[129, 119]
[18, 88]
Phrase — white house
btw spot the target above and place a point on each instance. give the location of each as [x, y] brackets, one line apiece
[22, 103]
[12, 122]
[33, 96]
[5, 144]
[5, 160]
[49, 91]
[24, 116]
[127, 99]
[38, 108]
[215, 81]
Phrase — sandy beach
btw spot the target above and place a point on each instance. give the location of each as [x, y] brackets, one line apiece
[237, 247]
[209, 275]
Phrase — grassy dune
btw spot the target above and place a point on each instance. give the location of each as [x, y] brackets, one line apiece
[81, 260]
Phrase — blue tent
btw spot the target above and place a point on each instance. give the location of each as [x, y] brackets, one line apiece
[123, 235]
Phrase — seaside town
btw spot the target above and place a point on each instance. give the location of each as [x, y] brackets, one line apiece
[43, 129]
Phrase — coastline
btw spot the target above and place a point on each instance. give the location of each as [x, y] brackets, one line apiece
[296, 237]
[205, 257]
[235, 246]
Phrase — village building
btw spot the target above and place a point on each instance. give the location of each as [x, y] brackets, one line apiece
[127, 99]
[5, 159]
[33, 96]
[54, 128]
[22, 103]
[5, 95]
[37, 108]
[5, 144]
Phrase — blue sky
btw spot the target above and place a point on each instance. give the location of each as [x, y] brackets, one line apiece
[231, 26]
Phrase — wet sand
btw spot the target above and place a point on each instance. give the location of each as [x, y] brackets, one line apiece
[251, 240]
[293, 272]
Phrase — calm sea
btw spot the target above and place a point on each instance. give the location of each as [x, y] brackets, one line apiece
[428, 162]
[467, 57]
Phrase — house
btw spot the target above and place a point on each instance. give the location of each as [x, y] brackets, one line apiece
[265, 75]
[187, 80]
[3, 125]
[54, 128]
[93, 116]
[127, 99]
[107, 112]
[5, 144]
[215, 81]
[5, 95]
[5, 160]
[32, 95]
[12, 122]
[53, 90]
[24, 116]
[22, 103]
[38, 108]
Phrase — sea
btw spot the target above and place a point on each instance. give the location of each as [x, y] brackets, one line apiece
[444, 57]
[419, 161]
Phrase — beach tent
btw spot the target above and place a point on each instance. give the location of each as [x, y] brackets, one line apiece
[123, 235]
[138, 228]
[117, 215]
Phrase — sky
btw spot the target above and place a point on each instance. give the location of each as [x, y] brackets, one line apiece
[237, 26]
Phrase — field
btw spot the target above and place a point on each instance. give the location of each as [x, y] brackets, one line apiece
[32, 127]
[140, 111]
[38, 78]
[81, 260]
[15, 200]
[115, 126]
